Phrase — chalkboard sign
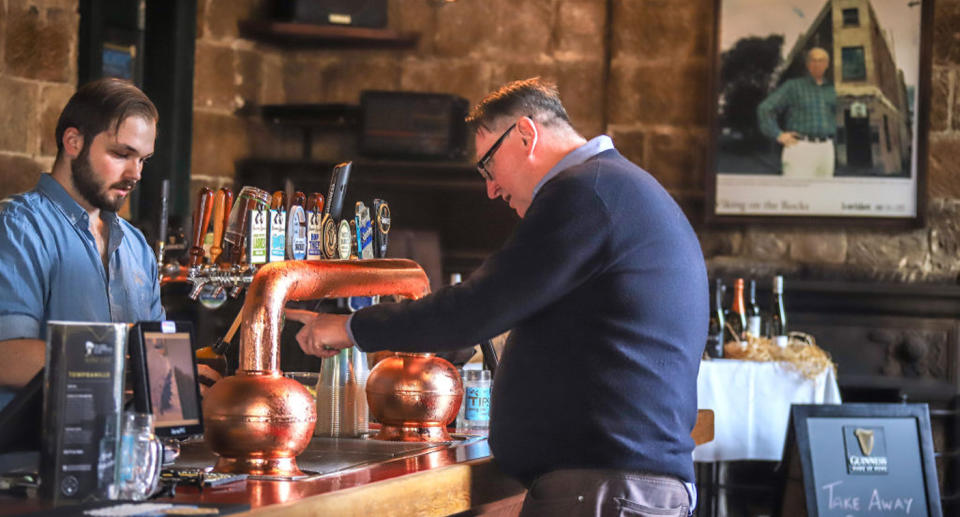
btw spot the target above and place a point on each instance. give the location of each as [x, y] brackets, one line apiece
[860, 460]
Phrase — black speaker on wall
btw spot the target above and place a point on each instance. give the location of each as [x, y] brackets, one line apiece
[357, 13]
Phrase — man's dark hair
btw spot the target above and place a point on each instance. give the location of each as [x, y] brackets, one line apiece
[528, 97]
[98, 104]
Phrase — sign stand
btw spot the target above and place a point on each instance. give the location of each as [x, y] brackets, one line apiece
[859, 459]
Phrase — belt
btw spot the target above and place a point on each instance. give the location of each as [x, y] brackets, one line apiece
[810, 138]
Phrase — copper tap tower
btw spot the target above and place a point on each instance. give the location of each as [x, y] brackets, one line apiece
[258, 421]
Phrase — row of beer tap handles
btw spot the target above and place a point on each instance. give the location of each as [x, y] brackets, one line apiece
[262, 228]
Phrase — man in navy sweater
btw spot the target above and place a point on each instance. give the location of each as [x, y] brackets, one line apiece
[604, 287]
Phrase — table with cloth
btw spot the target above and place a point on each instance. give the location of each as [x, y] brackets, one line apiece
[751, 404]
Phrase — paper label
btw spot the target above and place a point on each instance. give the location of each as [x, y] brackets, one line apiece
[314, 236]
[753, 325]
[257, 240]
[278, 236]
[477, 403]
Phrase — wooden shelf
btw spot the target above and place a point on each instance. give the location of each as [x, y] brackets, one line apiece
[313, 116]
[332, 36]
[384, 173]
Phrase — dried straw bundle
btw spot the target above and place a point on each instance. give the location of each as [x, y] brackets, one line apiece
[801, 353]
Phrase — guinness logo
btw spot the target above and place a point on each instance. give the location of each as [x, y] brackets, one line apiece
[865, 438]
[866, 450]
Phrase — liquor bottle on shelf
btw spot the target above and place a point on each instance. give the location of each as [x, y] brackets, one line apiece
[754, 318]
[777, 328]
[736, 317]
[717, 323]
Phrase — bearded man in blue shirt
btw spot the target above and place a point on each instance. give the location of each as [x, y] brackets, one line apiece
[64, 252]
[604, 289]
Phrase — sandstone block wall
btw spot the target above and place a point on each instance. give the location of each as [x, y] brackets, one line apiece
[635, 69]
[38, 74]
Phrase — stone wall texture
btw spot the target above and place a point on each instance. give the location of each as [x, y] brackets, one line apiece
[38, 73]
[637, 70]
[927, 254]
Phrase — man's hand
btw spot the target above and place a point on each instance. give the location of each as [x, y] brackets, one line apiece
[206, 378]
[322, 335]
[788, 138]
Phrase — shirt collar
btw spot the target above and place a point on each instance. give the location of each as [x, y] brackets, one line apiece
[809, 78]
[595, 146]
[69, 206]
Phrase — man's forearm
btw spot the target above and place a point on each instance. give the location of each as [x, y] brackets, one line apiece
[22, 359]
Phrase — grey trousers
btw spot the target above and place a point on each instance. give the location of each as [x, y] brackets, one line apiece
[588, 492]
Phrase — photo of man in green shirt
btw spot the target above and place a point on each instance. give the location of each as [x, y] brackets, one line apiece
[807, 106]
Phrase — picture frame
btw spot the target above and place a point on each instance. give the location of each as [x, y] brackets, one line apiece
[857, 120]
[859, 459]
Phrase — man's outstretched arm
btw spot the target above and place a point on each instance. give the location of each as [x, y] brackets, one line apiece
[22, 359]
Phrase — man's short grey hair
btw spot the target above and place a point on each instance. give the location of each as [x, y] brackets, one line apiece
[532, 97]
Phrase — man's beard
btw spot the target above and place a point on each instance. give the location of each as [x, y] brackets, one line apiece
[92, 190]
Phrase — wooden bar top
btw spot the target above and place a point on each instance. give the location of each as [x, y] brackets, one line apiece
[440, 480]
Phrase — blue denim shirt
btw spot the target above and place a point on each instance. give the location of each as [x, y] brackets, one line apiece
[50, 268]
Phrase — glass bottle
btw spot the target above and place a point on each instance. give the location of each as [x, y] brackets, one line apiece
[717, 322]
[141, 456]
[736, 317]
[248, 199]
[476, 401]
[777, 329]
[754, 317]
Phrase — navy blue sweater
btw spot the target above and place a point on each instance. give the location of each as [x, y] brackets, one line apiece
[604, 287]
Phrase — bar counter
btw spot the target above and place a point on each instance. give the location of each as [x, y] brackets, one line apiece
[413, 479]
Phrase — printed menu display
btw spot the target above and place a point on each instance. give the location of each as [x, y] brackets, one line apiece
[82, 408]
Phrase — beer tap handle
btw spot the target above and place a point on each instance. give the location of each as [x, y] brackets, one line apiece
[315, 203]
[278, 201]
[162, 231]
[227, 206]
[299, 198]
[219, 206]
[201, 219]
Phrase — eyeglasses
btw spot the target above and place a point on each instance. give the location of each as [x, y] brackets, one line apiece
[482, 163]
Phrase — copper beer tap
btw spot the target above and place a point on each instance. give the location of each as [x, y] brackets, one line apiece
[258, 421]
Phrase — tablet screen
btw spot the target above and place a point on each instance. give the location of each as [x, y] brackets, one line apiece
[171, 379]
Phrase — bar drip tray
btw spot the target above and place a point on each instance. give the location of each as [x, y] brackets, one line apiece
[332, 455]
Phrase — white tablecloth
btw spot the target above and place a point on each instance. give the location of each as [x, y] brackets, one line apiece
[751, 405]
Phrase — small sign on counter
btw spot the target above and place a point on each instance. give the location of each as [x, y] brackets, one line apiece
[860, 459]
[82, 406]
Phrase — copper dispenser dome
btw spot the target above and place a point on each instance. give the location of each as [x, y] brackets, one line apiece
[414, 397]
[258, 421]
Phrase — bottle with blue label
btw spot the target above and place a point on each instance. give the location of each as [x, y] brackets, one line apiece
[476, 401]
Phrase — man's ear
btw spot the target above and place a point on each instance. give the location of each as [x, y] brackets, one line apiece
[529, 133]
[72, 142]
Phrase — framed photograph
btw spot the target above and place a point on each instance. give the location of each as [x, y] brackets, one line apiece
[859, 459]
[821, 111]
